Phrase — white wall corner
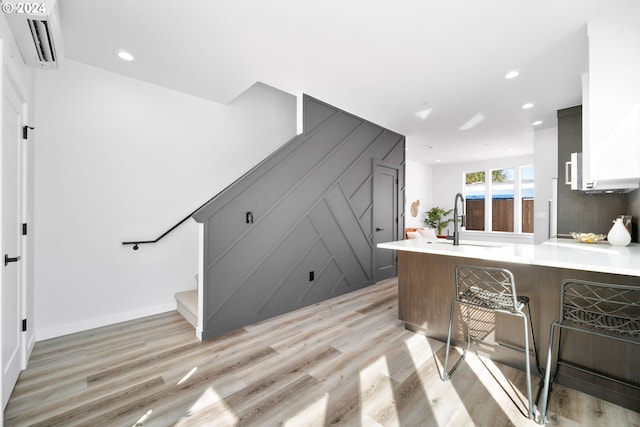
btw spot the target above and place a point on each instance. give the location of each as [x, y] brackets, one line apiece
[299, 113]
[418, 192]
[545, 162]
[200, 319]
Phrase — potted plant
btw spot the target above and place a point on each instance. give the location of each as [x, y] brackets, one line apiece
[436, 219]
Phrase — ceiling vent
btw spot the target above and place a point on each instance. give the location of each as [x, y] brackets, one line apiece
[36, 30]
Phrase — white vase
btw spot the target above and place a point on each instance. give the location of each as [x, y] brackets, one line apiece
[619, 235]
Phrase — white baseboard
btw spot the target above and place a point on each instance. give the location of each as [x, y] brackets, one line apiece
[71, 328]
[31, 342]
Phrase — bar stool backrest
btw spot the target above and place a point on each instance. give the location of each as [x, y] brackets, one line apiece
[602, 308]
[487, 287]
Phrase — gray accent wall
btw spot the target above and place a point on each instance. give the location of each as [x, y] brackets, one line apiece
[311, 204]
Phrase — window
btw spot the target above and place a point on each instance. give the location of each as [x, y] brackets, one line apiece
[503, 202]
[502, 194]
[474, 200]
[526, 191]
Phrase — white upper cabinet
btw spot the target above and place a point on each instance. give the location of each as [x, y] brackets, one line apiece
[611, 103]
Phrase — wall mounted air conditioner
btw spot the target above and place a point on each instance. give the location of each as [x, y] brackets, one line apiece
[36, 30]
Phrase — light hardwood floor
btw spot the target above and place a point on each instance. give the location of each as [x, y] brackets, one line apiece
[346, 361]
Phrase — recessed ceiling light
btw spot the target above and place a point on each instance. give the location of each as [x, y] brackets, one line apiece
[512, 74]
[537, 123]
[527, 105]
[437, 160]
[125, 56]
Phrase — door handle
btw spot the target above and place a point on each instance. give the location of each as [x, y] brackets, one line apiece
[379, 229]
[7, 260]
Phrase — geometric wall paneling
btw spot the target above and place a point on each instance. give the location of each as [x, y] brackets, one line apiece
[312, 207]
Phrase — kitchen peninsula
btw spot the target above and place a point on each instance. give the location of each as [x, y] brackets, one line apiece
[426, 286]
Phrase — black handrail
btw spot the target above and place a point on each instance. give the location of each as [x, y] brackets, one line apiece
[135, 243]
[141, 242]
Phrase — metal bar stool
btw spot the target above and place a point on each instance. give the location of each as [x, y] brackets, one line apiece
[603, 309]
[492, 289]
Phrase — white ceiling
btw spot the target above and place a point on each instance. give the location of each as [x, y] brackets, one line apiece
[382, 60]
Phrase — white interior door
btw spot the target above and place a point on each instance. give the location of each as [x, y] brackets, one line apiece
[11, 304]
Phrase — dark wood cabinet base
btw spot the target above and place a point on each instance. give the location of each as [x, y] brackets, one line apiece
[426, 286]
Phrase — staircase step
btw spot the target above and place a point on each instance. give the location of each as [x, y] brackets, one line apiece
[188, 305]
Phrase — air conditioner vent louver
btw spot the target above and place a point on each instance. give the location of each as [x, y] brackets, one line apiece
[37, 34]
[42, 40]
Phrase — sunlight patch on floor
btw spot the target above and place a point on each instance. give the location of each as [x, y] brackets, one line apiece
[311, 416]
[379, 366]
[447, 391]
[224, 414]
[419, 349]
[509, 398]
[376, 391]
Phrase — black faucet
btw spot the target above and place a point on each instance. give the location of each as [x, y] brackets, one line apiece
[456, 225]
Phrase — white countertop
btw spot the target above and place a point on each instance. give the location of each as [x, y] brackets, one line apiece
[560, 253]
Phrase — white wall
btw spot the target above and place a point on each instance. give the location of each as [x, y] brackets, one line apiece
[119, 159]
[448, 181]
[545, 161]
[418, 188]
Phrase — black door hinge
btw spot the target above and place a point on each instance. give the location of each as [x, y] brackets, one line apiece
[24, 229]
[24, 325]
[25, 131]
